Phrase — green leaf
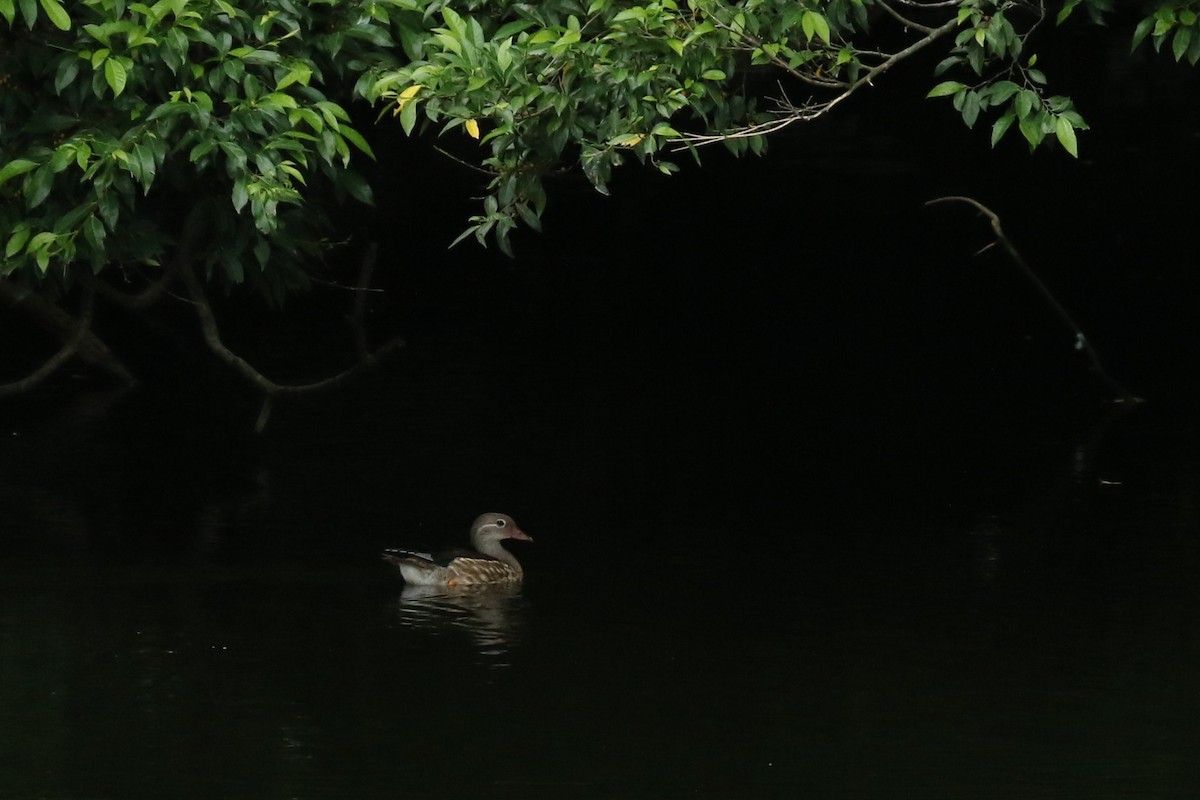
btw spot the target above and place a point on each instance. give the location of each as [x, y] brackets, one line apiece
[1002, 91]
[8, 11]
[970, 109]
[300, 73]
[946, 88]
[146, 165]
[1077, 122]
[68, 68]
[944, 64]
[17, 240]
[1025, 102]
[1066, 10]
[713, 75]
[60, 18]
[813, 24]
[1179, 45]
[355, 138]
[408, 117]
[115, 75]
[1031, 129]
[1066, 136]
[93, 231]
[109, 209]
[240, 194]
[37, 186]
[1141, 31]
[512, 29]
[18, 166]
[1193, 53]
[357, 188]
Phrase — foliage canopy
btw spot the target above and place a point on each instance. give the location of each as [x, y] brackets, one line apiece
[148, 140]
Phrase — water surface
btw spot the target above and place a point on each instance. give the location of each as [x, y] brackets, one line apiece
[949, 610]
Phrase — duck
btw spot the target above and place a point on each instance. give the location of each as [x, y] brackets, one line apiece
[488, 563]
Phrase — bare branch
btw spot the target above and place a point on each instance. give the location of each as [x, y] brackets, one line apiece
[70, 347]
[1122, 395]
[212, 337]
[815, 110]
[90, 350]
[136, 301]
[756, 43]
[360, 299]
[908, 23]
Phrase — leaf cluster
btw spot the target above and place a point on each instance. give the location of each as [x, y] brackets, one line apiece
[121, 117]
[1177, 21]
[598, 82]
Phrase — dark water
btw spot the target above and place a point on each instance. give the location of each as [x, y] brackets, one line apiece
[722, 601]
[824, 508]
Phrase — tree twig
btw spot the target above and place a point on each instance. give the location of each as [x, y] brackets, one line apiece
[811, 112]
[1121, 394]
[269, 388]
[70, 347]
[131, 301]
[365, 272]
[90, 350]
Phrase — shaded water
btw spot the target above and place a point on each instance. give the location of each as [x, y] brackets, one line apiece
[813, 519]
[998, 608]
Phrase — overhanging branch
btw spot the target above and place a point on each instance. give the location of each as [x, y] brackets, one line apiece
[70, 347]
[264, 385]
[1121, 394]
[87, 347]
[792, 114]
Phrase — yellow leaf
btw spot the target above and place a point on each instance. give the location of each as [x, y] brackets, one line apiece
[404, 97]
[472, 127]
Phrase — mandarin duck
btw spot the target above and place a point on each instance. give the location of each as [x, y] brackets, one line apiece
[487, 563]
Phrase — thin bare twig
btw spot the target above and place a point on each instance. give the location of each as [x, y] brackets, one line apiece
[366, 271]
[136, 301]
[1122, 395]
[908, 23]
[807, 113]
[267, 387]
[467, 164]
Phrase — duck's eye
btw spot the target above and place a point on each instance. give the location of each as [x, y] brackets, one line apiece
[500, 523]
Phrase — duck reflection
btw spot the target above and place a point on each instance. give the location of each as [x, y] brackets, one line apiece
[490, 615]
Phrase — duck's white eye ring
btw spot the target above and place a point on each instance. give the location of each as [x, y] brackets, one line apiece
[500, 523]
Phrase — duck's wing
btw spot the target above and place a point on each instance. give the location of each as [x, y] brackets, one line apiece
[397, 555]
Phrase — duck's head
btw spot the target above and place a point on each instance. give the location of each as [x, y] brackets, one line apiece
[494, 528]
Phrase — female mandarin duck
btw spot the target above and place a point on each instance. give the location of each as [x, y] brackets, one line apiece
[488, 563]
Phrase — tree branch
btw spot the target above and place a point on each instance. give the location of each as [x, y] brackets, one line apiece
[88, 348]
[70, 347]
[267, 387]
[365, 272]
[811, 112]
[135, 301]
[1121, 394]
